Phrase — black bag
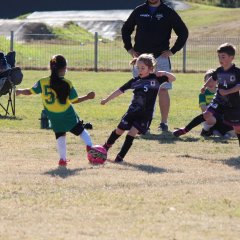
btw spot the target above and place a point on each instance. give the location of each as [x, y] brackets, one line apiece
[9, 79]
[10, 57]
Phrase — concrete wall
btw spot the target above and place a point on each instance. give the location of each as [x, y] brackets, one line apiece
[14, 8]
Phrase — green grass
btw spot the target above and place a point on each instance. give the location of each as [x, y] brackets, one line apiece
[103, 84]
[168, 188]
[203, 15]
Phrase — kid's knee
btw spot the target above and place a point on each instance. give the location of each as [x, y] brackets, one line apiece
[207, 115]
[119, 131]
[237, 129]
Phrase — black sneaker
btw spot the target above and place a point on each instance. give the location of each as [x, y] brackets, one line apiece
[205, 133]
[118, 159]
[163, 127]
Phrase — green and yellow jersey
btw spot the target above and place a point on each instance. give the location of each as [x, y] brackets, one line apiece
[62, 116]
[206, 98]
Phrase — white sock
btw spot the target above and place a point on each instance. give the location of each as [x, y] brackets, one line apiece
[206, 126]
[86, 138]
[62, 148]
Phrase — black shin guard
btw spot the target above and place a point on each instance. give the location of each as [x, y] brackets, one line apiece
[195, 122]
[126, 146]
[112, 138]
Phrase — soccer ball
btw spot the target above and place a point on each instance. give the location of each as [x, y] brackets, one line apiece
[97, 154]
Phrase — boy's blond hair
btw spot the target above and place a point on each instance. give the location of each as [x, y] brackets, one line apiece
[208, 74]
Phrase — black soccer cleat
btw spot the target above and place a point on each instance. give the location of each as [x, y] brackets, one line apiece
[179, 132]
[118, 159]
[205, 133]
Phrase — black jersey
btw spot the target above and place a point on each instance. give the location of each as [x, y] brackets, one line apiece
[153, 31]
[227, 80]
[145, 92]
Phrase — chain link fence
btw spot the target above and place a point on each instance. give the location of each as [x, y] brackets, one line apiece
[35, 50]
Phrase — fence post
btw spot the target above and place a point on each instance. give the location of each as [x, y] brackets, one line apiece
[12, 41]
[184, 57]
[96, 52]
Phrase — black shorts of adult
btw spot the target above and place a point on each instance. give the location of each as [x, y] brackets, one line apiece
[231, 116]
[140, 122]
[77, 130]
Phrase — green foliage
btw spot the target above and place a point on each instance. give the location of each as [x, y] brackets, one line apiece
[71, 31]
[24, 16]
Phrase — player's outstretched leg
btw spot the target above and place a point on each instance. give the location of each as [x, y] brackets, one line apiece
[112, 138]
[62, 149]
[125, 148]
[127, 144]
[195, 122]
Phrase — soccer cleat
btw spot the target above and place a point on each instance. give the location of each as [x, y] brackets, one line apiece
[62, 163]
[227, 135]
[107, 146]
[118, 159]
[205, 133]
[217, 133]
[163, 127]
[179, 132]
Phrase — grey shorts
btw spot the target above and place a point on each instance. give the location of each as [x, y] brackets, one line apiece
[163, 64]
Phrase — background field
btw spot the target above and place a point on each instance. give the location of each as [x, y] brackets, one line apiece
[208, 26]
[168, 188]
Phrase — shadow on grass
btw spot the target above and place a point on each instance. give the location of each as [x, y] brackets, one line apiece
[142, 167]
[63, 172]
[10, 118]
[167, 138]
[233, 162]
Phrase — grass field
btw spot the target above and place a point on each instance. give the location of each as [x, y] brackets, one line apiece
[168, 188]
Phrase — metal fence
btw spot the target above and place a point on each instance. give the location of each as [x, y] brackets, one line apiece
[96, 54]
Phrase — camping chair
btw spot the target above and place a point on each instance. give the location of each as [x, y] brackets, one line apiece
[9, 78]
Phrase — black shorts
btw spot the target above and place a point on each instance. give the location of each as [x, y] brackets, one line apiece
[77, 130]
[231, 116]
[140, 122]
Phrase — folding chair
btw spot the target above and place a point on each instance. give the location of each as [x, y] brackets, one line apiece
[11, 102]
[9, 78]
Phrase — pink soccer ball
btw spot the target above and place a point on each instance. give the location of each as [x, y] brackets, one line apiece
[97, 154]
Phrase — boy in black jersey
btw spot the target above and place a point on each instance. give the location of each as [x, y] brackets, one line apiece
[140, 112]
[226, 101]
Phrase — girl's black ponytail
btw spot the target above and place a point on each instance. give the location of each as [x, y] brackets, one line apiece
[61, 87]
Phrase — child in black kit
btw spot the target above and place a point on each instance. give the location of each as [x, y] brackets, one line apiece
[226, 101]
[139, 115]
